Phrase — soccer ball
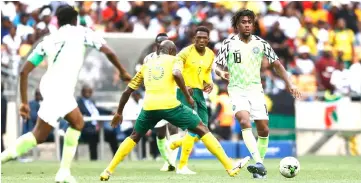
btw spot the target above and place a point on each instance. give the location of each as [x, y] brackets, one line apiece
[289, 167]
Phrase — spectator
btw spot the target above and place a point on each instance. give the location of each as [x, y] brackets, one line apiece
[112, 14]
[277, 39]
[84, 18]
[5, 27]
[23, 30]
[347, 12]
[4, 104]
[340, 79]
[289, 23]
[223, 116]
[45, 24]
[316, 13]
[322, 36]
[304, 63]
[324, 67]
[355, 71]
[343, 39]
[34, 106]
[12, 44]
[91, 129]
[307, 35]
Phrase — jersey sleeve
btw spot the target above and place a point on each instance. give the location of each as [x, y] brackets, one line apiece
[222, 55]
[178, 64]
[183, 54]
[137, 80]
[93, 40]
[37, 55]
[269, 53]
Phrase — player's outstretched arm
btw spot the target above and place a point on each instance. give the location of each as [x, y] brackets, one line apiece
[132, 86]
[281, 71]
[124, 75]
[177, 74]
[24, 73]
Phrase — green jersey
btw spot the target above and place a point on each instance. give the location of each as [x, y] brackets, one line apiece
[244, 61]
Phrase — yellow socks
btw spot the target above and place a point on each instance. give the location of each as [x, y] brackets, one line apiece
[187, 146]
[216, 149]
[124, 149]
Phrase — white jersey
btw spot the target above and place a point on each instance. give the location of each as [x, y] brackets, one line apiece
[64, 49]
[244, 61]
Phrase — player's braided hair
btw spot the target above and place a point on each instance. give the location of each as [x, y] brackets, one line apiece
[66, 15]
[242, 13]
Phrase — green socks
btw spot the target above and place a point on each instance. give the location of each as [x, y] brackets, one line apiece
[251, 144]
[22, 145]
[161, 143]
[70, 145]
[262, 145]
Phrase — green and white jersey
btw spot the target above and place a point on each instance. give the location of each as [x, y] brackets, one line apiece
[244, 61]
[64, 51]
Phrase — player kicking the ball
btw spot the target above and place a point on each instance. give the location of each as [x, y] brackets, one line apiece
[243, 54]
[64, 50]
[160, 76]
[169, 156]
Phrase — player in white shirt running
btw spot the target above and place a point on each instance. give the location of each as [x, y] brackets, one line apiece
[168, 155]
[243, 54]
[64, 50]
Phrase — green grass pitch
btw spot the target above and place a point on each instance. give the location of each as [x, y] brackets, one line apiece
[313, 169]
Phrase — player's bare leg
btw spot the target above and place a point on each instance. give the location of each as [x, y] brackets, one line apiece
[124, 149]
[75, 119]
[216, 149]
[262, 142]
[244, 118]
[162, 147]
[27, 141]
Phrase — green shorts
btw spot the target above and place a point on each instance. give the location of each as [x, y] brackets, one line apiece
[180, 116]
[200, 103]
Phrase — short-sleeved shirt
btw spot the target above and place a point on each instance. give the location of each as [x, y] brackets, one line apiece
[197, 68]
[160, 86]
[65, 51]
[244, 61]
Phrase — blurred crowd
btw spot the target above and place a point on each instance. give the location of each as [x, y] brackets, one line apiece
[319, 43]
[313, 39]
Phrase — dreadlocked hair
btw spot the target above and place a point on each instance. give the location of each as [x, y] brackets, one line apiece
[242, 13]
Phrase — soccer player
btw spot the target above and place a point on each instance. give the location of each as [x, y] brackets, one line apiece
[197, 60]
[243, 54]
[160, 76]
[64, 50]
[168, 156]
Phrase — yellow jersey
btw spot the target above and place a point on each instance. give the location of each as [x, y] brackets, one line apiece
[343, 41]
[197, 68]
[160, 86]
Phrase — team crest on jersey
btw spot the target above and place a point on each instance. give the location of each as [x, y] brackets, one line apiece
[157, 72]
[255, 50]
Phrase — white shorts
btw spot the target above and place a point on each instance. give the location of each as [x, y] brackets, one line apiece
[161, 123]
[254, 102]
[53, 108]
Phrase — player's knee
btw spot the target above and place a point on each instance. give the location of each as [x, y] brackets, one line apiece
[172, 129]
[135, 136]
[161, 132]
[39, 137]
[78, 126]
[201, 130]
[263, 132]
[245, 123]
